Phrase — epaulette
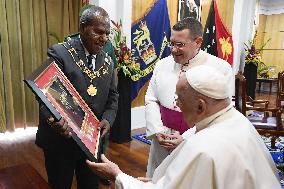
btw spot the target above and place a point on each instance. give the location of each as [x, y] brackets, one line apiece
[107, 58]
[69, 37]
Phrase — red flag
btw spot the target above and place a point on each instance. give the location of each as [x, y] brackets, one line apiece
[224, 39]
[216, 38]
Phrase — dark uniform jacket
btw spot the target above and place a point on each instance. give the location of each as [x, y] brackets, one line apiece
[103, 104]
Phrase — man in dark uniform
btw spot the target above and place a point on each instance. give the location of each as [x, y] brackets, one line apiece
[63, 156]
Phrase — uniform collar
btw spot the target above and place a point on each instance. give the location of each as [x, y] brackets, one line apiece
[86, 51]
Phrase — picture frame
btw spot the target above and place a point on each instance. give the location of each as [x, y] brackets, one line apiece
[53, 89]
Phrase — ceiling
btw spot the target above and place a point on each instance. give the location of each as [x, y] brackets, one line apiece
[269, 7]
[271, 2]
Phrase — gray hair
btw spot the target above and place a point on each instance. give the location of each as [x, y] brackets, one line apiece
[90, 13]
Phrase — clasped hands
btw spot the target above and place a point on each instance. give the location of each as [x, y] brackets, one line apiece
[62, 127]
[169, 141]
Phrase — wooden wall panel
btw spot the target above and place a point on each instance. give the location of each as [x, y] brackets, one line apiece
[260, 31]
[274, 58]
[271, 27]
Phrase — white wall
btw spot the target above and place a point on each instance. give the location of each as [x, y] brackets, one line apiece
[138, 117]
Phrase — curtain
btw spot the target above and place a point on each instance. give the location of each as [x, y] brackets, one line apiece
[23, 46]
[62, 18]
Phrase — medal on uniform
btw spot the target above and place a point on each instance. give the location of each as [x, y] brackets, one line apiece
[92, 91]
[93, 74]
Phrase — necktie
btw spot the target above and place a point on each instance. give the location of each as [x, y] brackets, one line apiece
[89, 59]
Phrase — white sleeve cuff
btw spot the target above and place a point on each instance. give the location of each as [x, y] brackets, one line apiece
[119, 180]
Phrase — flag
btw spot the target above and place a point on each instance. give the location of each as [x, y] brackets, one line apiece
[149, 43]
[189, 8]
[216, 38]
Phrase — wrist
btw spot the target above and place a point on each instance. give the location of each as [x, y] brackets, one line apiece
[105, 120]
[50, 121]
[116, 174]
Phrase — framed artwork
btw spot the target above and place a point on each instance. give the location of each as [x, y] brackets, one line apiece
[53, 88]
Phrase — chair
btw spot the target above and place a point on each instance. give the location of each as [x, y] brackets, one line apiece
[280, 90]
[266, 125]
[245, 103]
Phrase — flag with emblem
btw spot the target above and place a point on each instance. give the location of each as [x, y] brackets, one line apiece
[149, 43]
[216, 38]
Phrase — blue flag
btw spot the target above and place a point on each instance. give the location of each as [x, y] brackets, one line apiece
[149, 43]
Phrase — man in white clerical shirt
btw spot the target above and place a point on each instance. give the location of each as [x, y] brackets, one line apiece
[163, 118]
[222, 151]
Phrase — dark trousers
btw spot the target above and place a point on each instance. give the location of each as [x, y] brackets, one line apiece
[61, 164]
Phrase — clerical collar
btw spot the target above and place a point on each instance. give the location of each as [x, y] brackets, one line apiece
[190, 62]
[196, 57]
[209, 120]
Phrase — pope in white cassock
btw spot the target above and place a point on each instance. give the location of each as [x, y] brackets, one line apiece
[223, 150]
[162, 115]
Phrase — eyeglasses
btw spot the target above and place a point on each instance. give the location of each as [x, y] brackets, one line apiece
[177, 45]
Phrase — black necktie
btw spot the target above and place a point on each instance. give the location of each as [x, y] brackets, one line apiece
[89, 60]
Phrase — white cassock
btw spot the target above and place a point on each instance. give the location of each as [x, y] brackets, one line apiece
[161, 91]
[228, 154]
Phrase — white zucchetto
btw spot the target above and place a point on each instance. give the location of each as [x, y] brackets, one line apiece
[208, 81]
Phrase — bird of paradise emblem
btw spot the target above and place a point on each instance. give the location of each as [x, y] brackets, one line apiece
[226, 47]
